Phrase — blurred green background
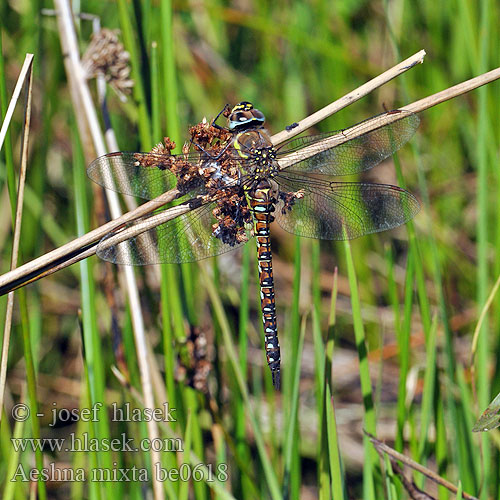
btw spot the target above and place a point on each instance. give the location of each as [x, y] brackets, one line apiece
[420, 289]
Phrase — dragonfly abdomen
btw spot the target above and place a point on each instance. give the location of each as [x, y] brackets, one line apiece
[262, 204]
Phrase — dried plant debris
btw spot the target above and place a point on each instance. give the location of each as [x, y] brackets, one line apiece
[411, 488]
[217, 180]
[289, 199]
[207, 135]
[414, 492]
[165, 147]
[106, 56]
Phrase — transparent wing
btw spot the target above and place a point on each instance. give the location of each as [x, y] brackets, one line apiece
[342, 210]
[124, 173]
[147, 175]
[354, 156]
[186, 238]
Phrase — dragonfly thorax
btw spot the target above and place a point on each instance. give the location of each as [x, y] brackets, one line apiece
[256, 148]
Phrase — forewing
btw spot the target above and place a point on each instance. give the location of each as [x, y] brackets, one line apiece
[342, 210]
[186, 238]
[351, 157]
[125, 173]
[147, 175]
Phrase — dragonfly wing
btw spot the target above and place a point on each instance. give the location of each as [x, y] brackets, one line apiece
[353, 156]
[342, 210]
[186, 238]
[145, 175]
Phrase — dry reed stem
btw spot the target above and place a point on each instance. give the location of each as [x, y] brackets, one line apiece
[94, 236]
[15, 97]
[484, 311]
[77, 77]
[131, 204]
[349, 98]
[26, 76]
[43, 264]
[10, 279]
[395, 455]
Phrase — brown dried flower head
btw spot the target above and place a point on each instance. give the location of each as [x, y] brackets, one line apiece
[106, 56]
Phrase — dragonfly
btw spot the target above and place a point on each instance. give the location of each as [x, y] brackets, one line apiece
[240, 183]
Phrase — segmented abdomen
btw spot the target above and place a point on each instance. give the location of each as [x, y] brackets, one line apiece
[261, 204]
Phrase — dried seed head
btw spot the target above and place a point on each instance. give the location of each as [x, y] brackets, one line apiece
[106, 56]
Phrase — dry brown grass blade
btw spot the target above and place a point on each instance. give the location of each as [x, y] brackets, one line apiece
[15, 96]
[28, 272]
[396, 456]
[25, 79]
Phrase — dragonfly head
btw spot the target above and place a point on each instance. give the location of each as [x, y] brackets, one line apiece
[244, 116]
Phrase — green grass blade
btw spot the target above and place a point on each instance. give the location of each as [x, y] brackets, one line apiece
[270, 476]
[91, 337]
[184, 485]
[364, 373]
[169, 71]
[404, 349]
[129, 40]
[291, 440]
[428, 391]
[483, 229]
[330, 458]
[7, 146]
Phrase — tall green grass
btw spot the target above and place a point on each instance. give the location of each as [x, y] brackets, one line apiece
[382, 347]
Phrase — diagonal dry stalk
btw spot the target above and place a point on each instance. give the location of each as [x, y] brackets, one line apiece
[25, 78]
[395, 456]
[349, 98]
[85, 246]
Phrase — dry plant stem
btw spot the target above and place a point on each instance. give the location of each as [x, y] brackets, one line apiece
[381, 120]
[95, 235]
[451, 92]
[486, 307]
[383, 448]
[112, 144]
[15, 96]
[349, 98]
[77, 244]
[413, 491]
[75, 73]
[475, 337]
[26, 74]
[144, 225]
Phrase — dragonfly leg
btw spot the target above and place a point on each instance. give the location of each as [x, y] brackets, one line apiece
[217, 117]
[217, 156]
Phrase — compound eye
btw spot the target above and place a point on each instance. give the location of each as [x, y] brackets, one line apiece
[258, 115]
